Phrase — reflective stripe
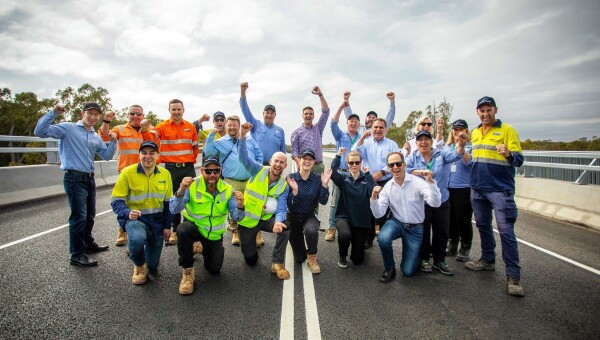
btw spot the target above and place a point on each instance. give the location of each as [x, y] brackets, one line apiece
[174, 153]
[490, 161]
[130, 140]
[145, 196]
[151, 210]
[280, 185]
[216, 227]
[222, 196]
[155, 134]
[194, 216]
[194, 143]
[176, 141]
[198, 193]
[121, 128]
[251, 215]
[128, 152]
[255, 194]
[483, 146]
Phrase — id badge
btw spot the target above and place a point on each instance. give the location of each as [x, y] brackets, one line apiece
[453, 167]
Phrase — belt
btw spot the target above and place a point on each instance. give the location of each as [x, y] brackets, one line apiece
[80, 173]
[412, 225]
[177, 165]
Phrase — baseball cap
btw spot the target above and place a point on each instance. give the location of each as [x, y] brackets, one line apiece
[423, 133]
[217, 114]
[149, 144]
[372, 113]
[212, 159]
[270, 107]
[460, 123]
[354, 115]
[307, 152]
[90, 106]
[486, 101]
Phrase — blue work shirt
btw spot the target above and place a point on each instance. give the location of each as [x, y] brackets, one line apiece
[460, 173]
[343, 139]
[389, 119]
[227, 149]
[270, 138]
[374, 154]
[439, 165]
[77, 145]
[254, 167]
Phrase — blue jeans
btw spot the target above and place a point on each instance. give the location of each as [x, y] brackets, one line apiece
[81, 194]
[411, 243]
[504, 207]
[145, 246]
[335, 196]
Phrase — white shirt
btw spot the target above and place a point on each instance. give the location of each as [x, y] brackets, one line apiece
[407, 200]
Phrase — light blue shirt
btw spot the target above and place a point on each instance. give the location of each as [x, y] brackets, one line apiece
[439, 165]
[389, 119]
[226, 148]
[77, 146]
[177, 204]
[270, 139]
[460, 173]
[254, 167]
[343, 139]
[374, 154]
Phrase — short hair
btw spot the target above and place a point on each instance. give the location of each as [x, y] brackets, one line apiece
[136, 105]
[176, 101]
[419, 121]
[395, 153]
[233, 117]
[308, 107]
[380, 120]
[353, 153]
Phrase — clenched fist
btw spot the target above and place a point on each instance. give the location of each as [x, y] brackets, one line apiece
[376, 192]
[239, 198]
[246, 127]
[316, 90]
[186, 182]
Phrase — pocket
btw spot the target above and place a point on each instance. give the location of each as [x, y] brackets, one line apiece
[510, 208]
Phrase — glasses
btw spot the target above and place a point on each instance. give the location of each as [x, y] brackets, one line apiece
[219, 120]
[212, 171]
[354, 163]
[136, 114]
[428, 124]
[395, 164]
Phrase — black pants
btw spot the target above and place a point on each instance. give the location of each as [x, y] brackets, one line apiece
[213, 252]
[379, 221]
[461, 214]
[177, 174]
[248, 241]
[303, 227]
[349, 234]
[436, 225]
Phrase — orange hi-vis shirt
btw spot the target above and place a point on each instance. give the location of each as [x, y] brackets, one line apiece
[178, 142]
[128, 146]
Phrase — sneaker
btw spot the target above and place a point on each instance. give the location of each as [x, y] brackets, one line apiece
[514, 287]
[330, 236]
[235, 238]
[198, 247]
[463, 253]
[186, 286]
[139, 275]
[121, 238]
[280, 271]
[342, 262]
[312, 264]
[451, 248]
[480, 264]
[425, 266]
[172, 239]
[443, 268]
[259, 240]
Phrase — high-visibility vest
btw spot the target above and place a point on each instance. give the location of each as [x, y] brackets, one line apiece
[143, 193]
[178, 142]
[128, 146]
[255, 197]
[208, 213]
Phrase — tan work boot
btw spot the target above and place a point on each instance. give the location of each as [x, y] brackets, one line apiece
[172, 239]
[279, 269]
[312, 264]
[121, 238]
[330, 236]
[198, 247]
[139, 275]
[259, 240]
[377, 229]
[235, 238]
[514, 287]
[186, 286]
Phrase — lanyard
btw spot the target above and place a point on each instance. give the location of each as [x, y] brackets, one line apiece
[353, 140]
[430, 164]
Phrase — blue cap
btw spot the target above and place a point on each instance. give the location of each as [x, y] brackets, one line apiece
[149, 144]
[270, 107]
[423, 133]
[354, 115]
[460, 124]
[212, 159]
[90, 106]
[308, 152]
[486, 101]
[217, 114]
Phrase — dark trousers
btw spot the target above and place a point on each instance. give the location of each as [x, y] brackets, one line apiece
[303, 227]
[461, 214]
[177, 174]
[81, 194]
[349, 234]
[213, 252]
[248, 241]
[379, 221]
[436, 226]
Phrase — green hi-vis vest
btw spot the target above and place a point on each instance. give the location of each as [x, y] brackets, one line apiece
[255, 197]
[208, 213]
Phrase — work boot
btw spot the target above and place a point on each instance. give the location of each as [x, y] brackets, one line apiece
[514, 287]
[330, 236]
[186, 286]
[139, 275]
[259, 240]
[198, 247]
[480, 264]
[312, 264]
[463, 253]
[451, 248]
[172, 239]
[280, 271]
[377, 229]
[235, 238]
[121, 238]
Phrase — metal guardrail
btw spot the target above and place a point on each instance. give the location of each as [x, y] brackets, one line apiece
[51, 148]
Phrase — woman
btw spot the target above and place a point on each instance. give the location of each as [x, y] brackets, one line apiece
[353, 213]
[461, 211]
[424, 124]
[422, 161]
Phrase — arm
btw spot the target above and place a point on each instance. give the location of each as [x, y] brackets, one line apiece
[295, 140]
[389, 119]
[379, 205]
[282, 205]
[178, 201]
[323, 195]
[246, 111]
[251, 165]
[515, 156]
[282, 146]
[360, 142]
[44, 128]
[324, 109]
[430, 191]
[167, 216]
[195, 144]
[347, 109]
[119, 196]
[236, 212]
[259, 155]
[209, 146]
[335, 176]
[106, 152]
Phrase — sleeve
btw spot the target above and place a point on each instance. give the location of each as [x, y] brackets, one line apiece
[323, 119]
[431, 193]
[209, 146]
[176, 204]
[197, 125]
[195, 143]
[105, 152]
[235, 213]
[514, 145]
[410, 163]
[282, 205]
[167, 216]
[247, 114]
[119, 197]
[295, 144]
[283, 147]
[259, 155]
[106, 138]
[347, 111]
[335, 176]
[335, 130]
[381, 204]
[251, 165]
[323, 193]
[370, 183]
[44, 128]
[389, 119]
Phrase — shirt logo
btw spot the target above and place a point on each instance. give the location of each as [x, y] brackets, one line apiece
[497, 134]
[187, 130]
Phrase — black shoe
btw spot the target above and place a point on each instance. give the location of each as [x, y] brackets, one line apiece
[451, 248]
[368, 244]
[342, 262]
[95, 248]
[83, 261]
[443, 268]
[463, 253]
[388, 275]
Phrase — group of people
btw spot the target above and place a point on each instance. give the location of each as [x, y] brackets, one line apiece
[425, 192]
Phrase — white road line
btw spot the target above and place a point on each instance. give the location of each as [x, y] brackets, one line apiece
[43, 233]
[313, 329]
[286, 325]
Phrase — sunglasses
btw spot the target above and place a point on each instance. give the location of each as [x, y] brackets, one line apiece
[136, 114]
[428, 124]
[354, 163]
[395, 164]
[212, 171]
[219, 120]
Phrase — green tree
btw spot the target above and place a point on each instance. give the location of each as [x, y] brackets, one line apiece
[405, 132]
[74, 100]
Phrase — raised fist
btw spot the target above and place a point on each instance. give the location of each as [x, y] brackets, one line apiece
[391, 95]
[59, 109]
[244, 86]
[376, 192]
[239, 198]
[341, 151]
[347, 95]
[186, 182]
[316, 90]
[112, 136]
[205, 118]
[246, 127]
[109, 115]
[134, 214]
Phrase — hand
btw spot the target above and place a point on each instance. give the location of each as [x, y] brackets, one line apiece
[278, 227]
[463, 138]
[166, 233]
[293, 185]
[347, 96]
[145, 124]
[205, 118]
[316, 90]
[186, 182]
[407, 148]
[239, 198]
[428, 176]
[391, 96]
[503, 150]
[345, 104]
[325, 176]
[112, 136]
[341, 151]
[109, 115]
[246, 127]
[424, 173]
[244, 86]
[377, 175]
[376, 192]
[59, 109]
[366, 134]
[365, 169]
[214, 131]
[134, 214]
[440, 124]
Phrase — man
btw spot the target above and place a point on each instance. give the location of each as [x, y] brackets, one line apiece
[310, 136]
[374, 152]
[265, 202]
[207, 200]
[405, 195]
[496, 153]
[372, 115]
[140, 199]
[129, 137]
[270, 137]
[219, 125]
[79, 142]
[234, 172]
[178, 150]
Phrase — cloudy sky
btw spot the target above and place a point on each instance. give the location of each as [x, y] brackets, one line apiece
[539, 59]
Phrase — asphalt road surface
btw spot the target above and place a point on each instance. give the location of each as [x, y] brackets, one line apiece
[42, 296]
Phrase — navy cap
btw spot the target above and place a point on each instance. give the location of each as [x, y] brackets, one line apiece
[217, 114]
[354, 115]
[460, 124]
[90, 106]
[486, 101]
[149, 144]
[372, 113]
[212, 159]
[270, 107]
[308, 152]
[423, 133]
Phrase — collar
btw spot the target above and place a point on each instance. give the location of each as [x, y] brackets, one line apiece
[80, 123]
[497, 123]
[140, 169]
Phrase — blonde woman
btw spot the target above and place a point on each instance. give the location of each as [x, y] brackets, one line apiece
[424, 123]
